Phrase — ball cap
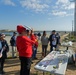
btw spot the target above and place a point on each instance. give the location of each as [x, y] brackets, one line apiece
[53, 30]
[20, 28]
[2, 35]
[14, 33]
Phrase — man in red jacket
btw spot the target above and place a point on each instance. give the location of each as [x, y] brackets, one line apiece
[24, 47]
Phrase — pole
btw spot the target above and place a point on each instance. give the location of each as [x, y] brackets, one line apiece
[72, 28]
[75, 20]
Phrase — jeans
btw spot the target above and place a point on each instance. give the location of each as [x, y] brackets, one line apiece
[13, 51]
[34, 52]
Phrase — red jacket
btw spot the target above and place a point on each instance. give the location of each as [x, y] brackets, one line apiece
[36, 43]
[24, 46]
[33, 37]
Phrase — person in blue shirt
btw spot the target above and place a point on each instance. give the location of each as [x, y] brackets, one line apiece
[53, 40]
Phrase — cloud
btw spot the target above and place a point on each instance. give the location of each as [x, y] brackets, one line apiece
[62, 1]
[59, 13]
[71, 6]
[8, 2]
[65, 4]
[45, 6]
[36, 5]
[58, 8]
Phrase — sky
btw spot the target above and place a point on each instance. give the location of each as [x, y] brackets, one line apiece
[37, 14]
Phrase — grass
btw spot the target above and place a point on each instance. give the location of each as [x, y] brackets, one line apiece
[70, 37]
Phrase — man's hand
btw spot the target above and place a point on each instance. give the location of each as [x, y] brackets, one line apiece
[4, 48]
[32, 31]
[0, 55]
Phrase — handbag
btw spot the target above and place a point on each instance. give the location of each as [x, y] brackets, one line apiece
[1, 53]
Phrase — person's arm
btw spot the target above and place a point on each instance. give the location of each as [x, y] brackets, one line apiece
[6, 46]
[41, 38]
[32, 41]
[50, 38]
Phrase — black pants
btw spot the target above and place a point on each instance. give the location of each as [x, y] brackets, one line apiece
[51, 48]
[25, 65]
[44, 49]
[2, 60]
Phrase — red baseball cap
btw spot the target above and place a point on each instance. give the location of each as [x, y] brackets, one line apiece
[20, 28]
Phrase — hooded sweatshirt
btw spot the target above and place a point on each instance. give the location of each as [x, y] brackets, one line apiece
[24, 46]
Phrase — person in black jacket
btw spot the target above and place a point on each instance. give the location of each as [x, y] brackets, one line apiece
[4, 48]
[13, 44]
[58, 40]
[53, 40]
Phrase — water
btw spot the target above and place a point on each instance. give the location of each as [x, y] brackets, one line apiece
[49, 32]
[8, 33]
[41, 32]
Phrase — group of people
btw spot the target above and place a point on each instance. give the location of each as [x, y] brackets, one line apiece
[26, 43]
[53, 39]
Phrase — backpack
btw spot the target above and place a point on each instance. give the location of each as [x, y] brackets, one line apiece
[12, 41]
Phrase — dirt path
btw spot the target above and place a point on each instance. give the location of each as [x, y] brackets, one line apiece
[62, 37]
[12, 66]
